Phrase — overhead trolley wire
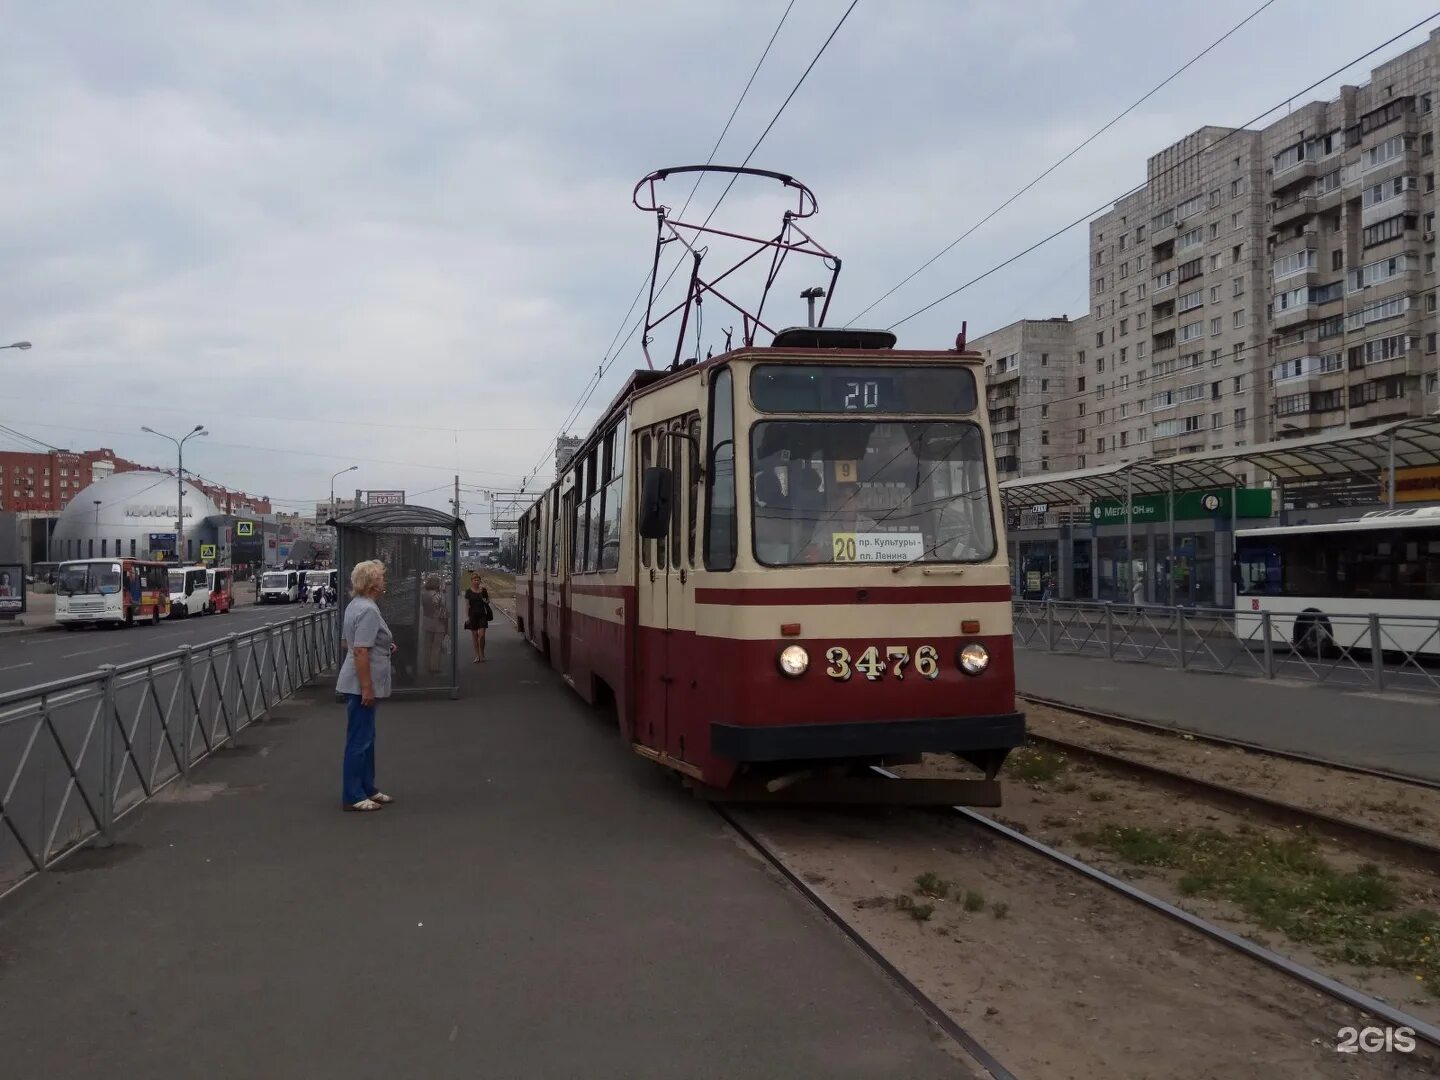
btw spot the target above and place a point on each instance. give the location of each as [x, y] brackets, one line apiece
[606, 360]
[753, 149]
[1073, 151]
[1182, 161]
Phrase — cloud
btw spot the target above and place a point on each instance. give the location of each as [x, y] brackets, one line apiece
[298, 223]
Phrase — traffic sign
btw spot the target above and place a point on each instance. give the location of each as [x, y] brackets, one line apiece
[245, 528]
[207, 552]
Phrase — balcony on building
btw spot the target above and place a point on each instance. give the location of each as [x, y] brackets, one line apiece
[1292, 174]
[1162, 252]
[1289, 245]
[1407, 202]
[1296, 208]
[1387, 408]
[1293, 317]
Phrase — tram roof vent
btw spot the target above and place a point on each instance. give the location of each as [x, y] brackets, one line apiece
[832, 337]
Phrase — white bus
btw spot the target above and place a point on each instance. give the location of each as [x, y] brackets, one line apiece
[279, 586]
[189, 591]
[121, 591]
[1322, 582]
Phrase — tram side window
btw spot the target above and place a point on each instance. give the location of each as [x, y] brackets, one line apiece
[662, 459]
[692, 452]
[720, 539]
[646, 456]
[555, 533]
[612, 497]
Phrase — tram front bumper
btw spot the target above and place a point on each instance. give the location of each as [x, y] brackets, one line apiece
[867, 738]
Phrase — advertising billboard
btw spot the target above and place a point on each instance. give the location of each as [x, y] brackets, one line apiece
[384, 498]
[12, 589]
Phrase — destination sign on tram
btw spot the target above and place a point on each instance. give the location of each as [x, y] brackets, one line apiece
[831, 388]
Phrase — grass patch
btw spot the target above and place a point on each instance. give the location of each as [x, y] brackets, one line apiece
[973, 900]
[932, 885]
[1035, 766]
[1101, 796]
[999, 909]
[918, 912]
[1288, 887]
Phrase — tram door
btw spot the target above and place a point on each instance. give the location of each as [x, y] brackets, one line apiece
[682, 705]
[567, 554]
[652, 650]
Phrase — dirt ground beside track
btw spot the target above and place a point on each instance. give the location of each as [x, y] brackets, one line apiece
[1388, 804]
[1064, 978]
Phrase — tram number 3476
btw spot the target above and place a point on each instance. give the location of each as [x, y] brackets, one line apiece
[926, 662]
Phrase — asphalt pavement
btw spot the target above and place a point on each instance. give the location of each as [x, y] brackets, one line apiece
[538, 902]
[1395, 732]
[29, 659]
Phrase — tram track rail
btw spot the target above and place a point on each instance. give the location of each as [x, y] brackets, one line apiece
[1153, 728]
[958, 1034]
[1348, 995]
[1370, 839]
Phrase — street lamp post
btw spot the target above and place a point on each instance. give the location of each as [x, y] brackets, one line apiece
[342, 472]
[199, 429]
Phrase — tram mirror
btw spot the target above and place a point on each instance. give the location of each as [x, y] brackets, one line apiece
[657, 494]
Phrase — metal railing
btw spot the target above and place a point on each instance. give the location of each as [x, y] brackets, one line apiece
[1376, 651]
[78, 753]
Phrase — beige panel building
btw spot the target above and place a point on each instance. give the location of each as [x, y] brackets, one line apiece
[1177, 361]
[1351, 253]
[1031, 393]
[1270, 284]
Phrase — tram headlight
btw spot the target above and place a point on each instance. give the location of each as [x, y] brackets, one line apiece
[793, 661]
[974, 658]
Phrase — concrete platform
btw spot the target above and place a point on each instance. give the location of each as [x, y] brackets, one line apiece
[1343, 724]
[539, 902]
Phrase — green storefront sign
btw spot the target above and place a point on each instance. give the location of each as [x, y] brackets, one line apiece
[1189, 506]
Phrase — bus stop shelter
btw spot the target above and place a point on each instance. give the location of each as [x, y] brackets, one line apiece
[420, 547]
[1085, 522]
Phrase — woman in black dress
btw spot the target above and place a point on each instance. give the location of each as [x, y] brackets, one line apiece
[478, 615]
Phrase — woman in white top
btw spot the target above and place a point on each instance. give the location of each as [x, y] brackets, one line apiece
[364, 677]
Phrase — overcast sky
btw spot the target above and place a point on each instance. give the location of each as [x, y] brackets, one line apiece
[400, 235]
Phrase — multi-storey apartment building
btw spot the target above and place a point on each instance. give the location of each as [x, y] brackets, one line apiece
[1031, 393]
[1269, 284]
[1177, 363]
[1351, 253]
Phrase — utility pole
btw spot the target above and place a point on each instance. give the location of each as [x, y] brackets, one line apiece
[199, 429]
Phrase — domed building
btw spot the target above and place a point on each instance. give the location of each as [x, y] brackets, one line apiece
[132, 514]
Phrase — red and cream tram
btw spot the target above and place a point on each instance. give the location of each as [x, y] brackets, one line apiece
[839, 597]
[785, 563]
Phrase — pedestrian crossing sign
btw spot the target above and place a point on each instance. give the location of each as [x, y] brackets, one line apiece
[207, 552]
[245, 528]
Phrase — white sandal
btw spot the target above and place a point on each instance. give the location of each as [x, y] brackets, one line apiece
[366, 804]
[381, 798]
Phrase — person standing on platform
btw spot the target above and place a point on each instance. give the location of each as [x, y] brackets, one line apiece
[364, 679]
[478, 615]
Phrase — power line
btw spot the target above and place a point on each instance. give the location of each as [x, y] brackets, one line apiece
[753, 149]
[594, 381]
[1075, 150]
[1140, 187]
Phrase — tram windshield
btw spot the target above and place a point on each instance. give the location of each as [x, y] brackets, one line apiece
[856, 491]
